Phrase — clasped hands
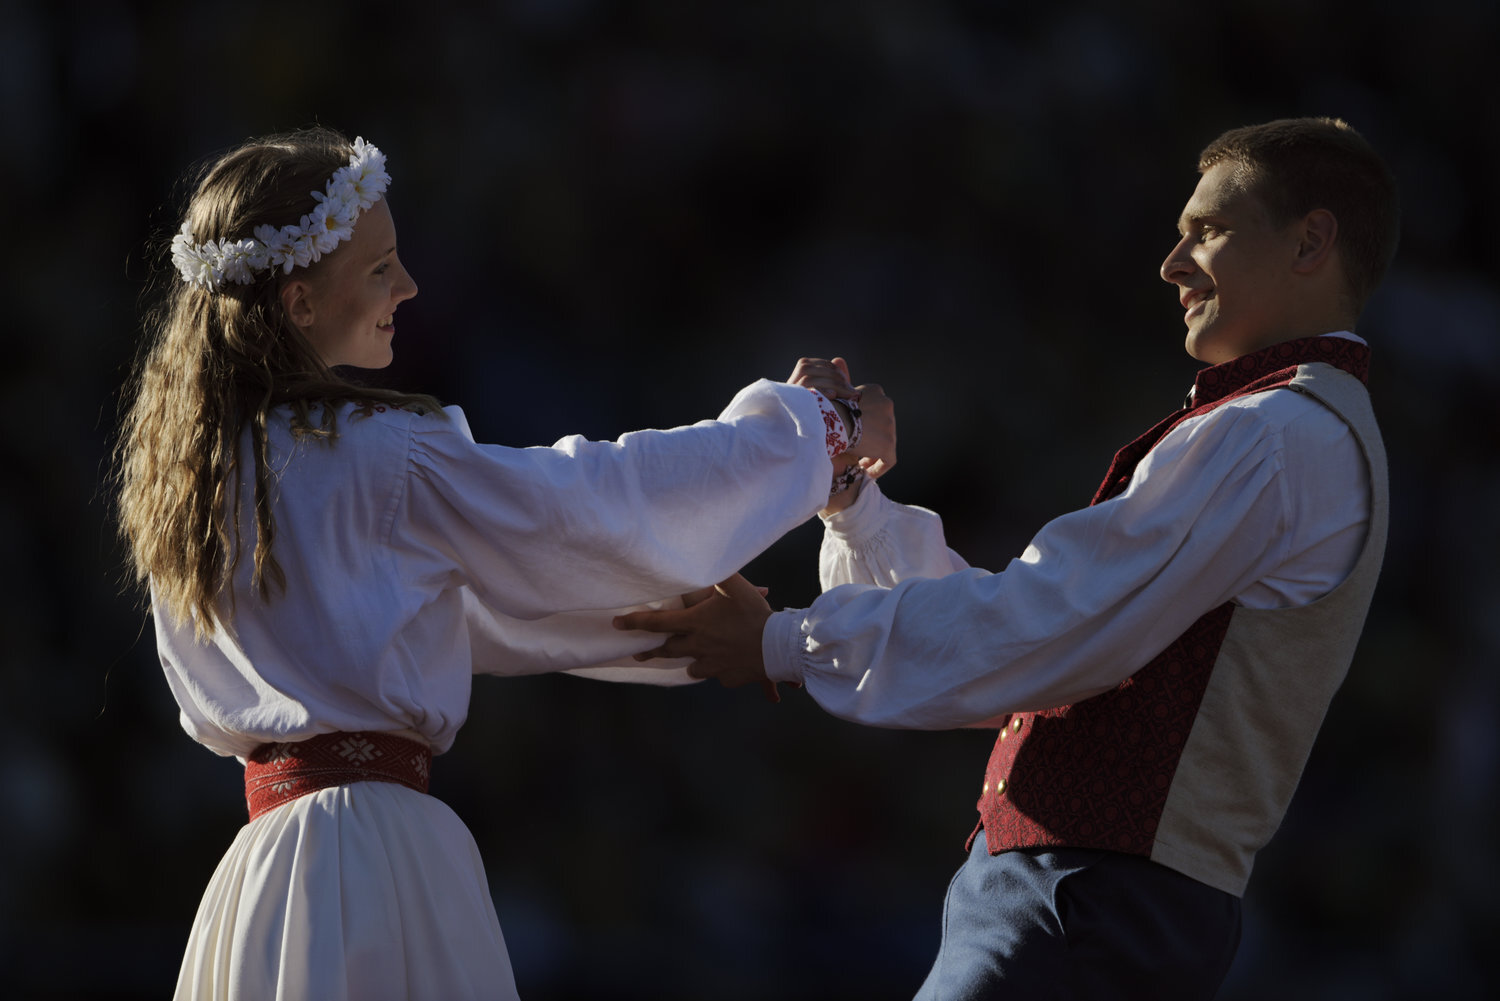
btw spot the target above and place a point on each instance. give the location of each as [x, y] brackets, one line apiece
[719, 628]
[875, 452]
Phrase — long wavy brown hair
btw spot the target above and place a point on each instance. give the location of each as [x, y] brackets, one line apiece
[212, 364]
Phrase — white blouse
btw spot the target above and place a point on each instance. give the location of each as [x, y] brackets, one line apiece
[415, 557]
[1263, 501]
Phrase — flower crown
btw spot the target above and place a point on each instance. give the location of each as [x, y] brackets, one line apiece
[349, 192]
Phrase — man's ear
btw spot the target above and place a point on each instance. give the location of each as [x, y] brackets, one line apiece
[1316, 235]
[296, 301]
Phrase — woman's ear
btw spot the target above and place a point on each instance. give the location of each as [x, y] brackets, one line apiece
[296, 301]
[1316, 237]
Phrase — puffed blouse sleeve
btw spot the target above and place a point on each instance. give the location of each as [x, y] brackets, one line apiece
[878, 541]
[548, 542]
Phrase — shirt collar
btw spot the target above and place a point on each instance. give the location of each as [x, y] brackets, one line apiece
[1218, 381]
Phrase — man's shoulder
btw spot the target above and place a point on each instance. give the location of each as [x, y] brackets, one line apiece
[1314, 423]
[1278, 418]
[1270, 407]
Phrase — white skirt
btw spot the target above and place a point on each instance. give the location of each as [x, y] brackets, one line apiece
[356, 893]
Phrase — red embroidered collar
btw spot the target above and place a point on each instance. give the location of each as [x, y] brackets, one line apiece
[1218, 381]
[1264, 369]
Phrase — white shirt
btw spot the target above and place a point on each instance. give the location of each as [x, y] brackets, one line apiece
[415, 557]
[1263, 501]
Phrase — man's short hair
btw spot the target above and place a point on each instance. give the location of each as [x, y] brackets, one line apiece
[1295, 165]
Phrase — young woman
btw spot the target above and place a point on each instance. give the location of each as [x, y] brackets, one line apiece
[329, 564]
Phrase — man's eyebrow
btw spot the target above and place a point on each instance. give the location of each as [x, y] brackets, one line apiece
[1197, 217]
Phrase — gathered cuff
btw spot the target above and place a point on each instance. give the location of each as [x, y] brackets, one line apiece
[862, 520]
[781, 645]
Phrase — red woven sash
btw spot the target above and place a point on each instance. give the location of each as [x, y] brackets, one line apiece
[278, 773]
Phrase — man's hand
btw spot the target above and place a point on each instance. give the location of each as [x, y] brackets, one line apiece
[720, 633]
[877, 442]
[874, 453]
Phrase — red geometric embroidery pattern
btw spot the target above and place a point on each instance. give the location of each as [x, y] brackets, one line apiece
[1096, 774]
[278, 773]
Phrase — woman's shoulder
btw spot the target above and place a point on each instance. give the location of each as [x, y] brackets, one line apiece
[415, 437]
[365, 437]
[362, 419]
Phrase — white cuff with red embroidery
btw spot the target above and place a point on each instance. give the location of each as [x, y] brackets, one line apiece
[840, 439]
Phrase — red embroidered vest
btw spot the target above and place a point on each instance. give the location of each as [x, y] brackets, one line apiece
[1096, 774]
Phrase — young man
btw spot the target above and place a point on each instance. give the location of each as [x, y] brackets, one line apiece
[1159, 662]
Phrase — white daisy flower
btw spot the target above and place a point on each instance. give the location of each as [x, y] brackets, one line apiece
[286, 248]
[240, 260]
[367, 167]
[259, 255]
[323, 228]
[304, 250]
[342, 200]
[192, 262]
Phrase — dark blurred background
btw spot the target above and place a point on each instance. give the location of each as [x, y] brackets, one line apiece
[618, 214]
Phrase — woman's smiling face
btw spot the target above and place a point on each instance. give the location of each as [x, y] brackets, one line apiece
[346, 308]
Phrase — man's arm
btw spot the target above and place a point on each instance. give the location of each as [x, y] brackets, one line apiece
[1097, 593]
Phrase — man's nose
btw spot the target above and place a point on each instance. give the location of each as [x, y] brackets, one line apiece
[1178, 263]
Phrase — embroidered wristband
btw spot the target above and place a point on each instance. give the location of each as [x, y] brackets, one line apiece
[835, 436]
[840, 438]
[854, 420]
[846, 479]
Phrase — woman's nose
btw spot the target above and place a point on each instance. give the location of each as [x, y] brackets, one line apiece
[407, 287]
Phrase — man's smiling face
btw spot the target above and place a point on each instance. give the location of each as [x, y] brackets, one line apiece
[1232, 269]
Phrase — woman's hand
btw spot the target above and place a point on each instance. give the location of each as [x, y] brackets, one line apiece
[828, 376]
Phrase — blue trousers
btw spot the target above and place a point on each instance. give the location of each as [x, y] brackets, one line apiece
[1083, 925]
